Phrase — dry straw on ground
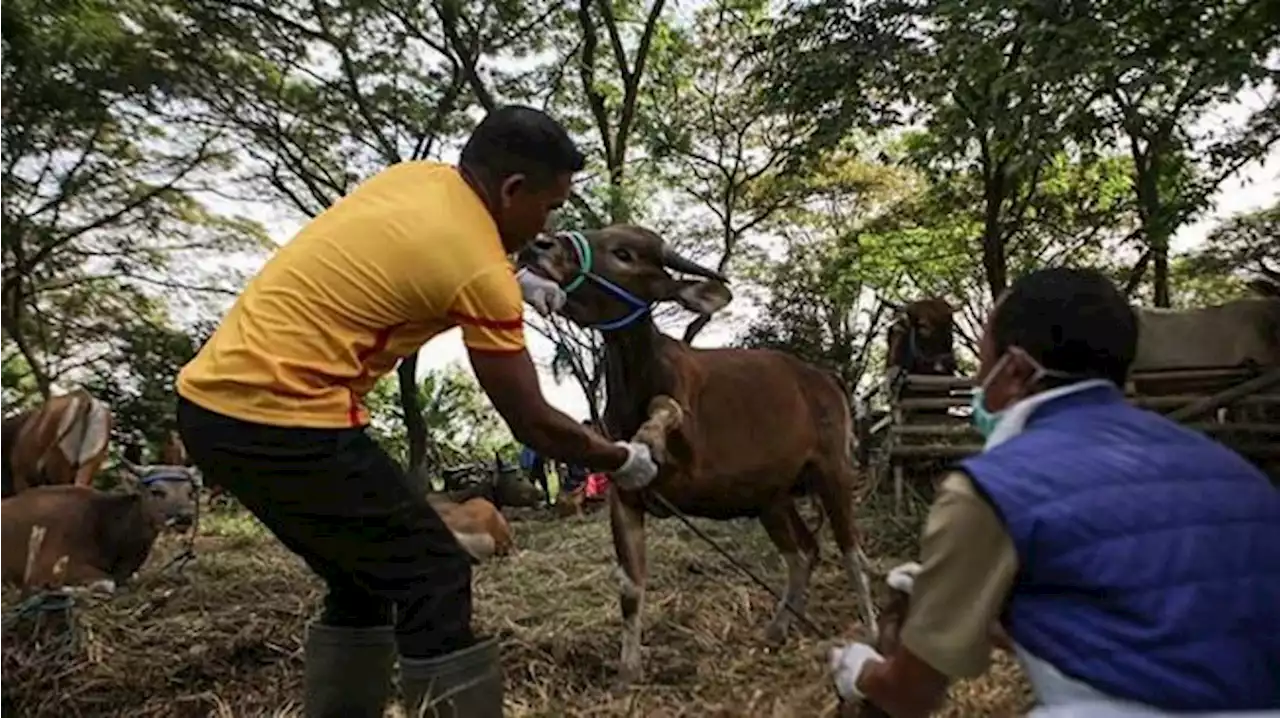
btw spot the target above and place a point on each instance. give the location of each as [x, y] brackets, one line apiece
[224, 637]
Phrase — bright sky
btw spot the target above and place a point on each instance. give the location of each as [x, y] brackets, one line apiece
[1257, 186]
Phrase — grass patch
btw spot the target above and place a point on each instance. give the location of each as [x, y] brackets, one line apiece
[224, 637]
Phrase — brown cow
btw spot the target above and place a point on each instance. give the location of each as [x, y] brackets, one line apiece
[63, 441]
[479, 527]
[922, 338]
[87, 536]
[736, 432]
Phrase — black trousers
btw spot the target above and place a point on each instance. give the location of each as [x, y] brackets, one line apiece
[336, 499]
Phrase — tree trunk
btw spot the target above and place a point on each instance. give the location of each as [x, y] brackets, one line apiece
[415, 425]
[1160, 269]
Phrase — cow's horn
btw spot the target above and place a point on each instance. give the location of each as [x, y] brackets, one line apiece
[672, 260]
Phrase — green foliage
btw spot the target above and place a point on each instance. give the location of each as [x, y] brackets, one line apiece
[139, 388]
[461, 424]
[1002, 90]
[825, 155]
[1244, 244]
[100, 182]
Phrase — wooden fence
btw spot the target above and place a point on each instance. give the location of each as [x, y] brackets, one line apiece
[927, 419]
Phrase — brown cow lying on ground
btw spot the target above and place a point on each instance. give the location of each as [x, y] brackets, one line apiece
[736, 432]
[479, 527]
[86, 536]
[63, 441]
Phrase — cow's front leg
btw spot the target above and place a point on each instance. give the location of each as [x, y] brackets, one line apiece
[665, 416]
[627, 523]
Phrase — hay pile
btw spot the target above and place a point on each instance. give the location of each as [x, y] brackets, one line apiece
[224, 637]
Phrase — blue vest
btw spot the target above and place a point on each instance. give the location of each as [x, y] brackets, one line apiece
[1149, 555]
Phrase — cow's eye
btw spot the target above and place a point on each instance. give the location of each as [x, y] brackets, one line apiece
[158, 493]
[623, 254]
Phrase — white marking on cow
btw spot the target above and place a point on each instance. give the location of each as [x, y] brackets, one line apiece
[857, 565]
[481, 546]
[103, 585]
[82, 446]
[34, 543]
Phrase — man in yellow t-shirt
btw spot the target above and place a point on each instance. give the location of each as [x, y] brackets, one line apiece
[271, 407]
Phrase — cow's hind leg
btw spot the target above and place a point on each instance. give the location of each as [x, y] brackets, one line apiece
[800, 552]
[835, 488]
[627, 523]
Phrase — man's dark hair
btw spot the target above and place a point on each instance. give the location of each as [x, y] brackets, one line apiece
[514, 139]
[1071, 320]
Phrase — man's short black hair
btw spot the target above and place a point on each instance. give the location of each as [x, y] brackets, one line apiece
[514, 139]
[1071, 320]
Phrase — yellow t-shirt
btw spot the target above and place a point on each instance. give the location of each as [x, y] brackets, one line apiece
[408, 254]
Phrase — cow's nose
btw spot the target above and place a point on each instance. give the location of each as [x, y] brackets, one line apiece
[544, 243]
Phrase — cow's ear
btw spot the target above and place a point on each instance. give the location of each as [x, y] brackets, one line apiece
[705, 296]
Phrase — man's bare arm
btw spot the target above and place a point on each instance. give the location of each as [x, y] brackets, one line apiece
[511, 381]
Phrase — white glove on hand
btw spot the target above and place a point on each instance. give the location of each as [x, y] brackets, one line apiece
[638, 470]
[541, 293]
[847, 664]
[903, 578]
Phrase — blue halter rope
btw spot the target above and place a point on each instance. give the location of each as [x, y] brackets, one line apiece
[167, 476]
[639, 307]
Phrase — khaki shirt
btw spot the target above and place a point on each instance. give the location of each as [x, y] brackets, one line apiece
[968, 564]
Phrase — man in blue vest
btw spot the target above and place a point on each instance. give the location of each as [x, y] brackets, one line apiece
[1133, 564]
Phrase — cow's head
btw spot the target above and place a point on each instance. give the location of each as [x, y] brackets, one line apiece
[922, 338]
[171, 492]
[613, 276]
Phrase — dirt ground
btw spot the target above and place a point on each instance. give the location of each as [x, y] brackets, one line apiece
[223, 637]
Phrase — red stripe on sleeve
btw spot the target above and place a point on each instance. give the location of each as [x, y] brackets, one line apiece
[487, 323]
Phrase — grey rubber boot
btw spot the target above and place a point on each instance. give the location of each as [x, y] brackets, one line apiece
[347, 671]
[462, 684]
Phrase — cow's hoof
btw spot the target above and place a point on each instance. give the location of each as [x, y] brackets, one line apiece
[775, 634]
[106, 586]
[622, 684]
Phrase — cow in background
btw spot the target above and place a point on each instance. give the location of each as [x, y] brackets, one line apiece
[922, 341]
[922, 338]
[63, 441]
[477, 525]
[502, 485]
[75, 535]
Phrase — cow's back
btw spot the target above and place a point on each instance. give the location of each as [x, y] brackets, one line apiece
[63, 513]
[1233, 334]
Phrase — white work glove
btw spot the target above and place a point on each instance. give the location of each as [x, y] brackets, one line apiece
[847, 664]
[638, 470]
[903, 577]
[541, 293]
